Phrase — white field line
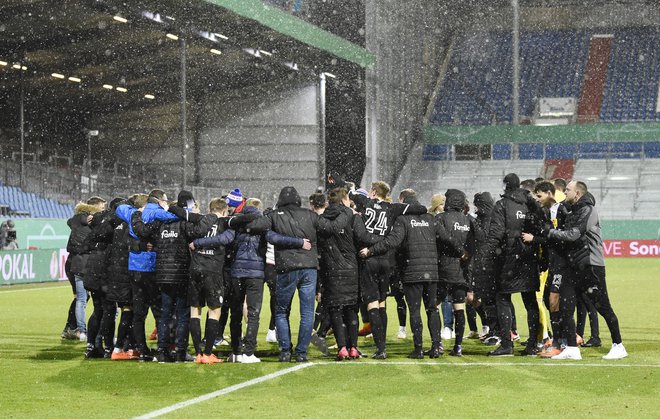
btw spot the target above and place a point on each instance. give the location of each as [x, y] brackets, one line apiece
[267, 377]
[34, 289]
[223, 391]
[544, 363]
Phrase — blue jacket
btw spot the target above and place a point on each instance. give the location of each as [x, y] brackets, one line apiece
[143, 261]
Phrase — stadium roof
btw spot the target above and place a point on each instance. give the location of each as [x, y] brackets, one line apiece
[92, 57]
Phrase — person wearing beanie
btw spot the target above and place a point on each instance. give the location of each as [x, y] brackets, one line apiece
[516, 262]
[171, 239]
[235, 201]
[185, 200]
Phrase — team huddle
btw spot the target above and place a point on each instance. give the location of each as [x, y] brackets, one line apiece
[345, 254]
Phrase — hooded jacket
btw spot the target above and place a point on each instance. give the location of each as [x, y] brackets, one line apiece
[460, 228]
[78, 251]
[516, 263]
[289, 219]
[482, 264]
[582, 234]
[339, 279]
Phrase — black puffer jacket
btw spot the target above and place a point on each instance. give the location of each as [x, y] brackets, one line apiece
[76, 245]
[289, 219]
[170, 240]
[119, 286]
[98, 242]
[515, 262]
[339, 281]
[482, 263]
[460, 228]
[118, 256]
[415, 236]
[338, 256]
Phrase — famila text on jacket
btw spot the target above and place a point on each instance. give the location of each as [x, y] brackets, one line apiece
[415, 223]
[168, 234]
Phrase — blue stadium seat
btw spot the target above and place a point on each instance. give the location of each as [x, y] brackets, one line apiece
[36, 206]
[477, 88]
[530, 151]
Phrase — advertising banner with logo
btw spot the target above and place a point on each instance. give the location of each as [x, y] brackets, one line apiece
[631, 248]
[28, 266]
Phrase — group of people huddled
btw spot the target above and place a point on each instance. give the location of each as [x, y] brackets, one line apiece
[347, 252]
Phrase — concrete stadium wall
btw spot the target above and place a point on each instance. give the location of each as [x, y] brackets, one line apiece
[261, 140]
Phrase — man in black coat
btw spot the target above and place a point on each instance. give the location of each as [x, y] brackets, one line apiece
[415, 235]
[296, 268]
[582, 235]
[482, 265]
[515, 262]
[172, 274]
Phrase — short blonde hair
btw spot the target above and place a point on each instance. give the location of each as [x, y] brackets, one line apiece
[254, 202]
[381, 188]
[217, 205]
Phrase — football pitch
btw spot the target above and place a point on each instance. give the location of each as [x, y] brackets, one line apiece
[44, 376]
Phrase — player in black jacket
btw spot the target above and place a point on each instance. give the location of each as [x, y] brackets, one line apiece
[340, 280]
[516, 263]
[450, 270]
[558, 267]
[379, 215]
[172, 274]
[416, 236]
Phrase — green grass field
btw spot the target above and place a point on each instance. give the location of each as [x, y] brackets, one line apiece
[44, 376]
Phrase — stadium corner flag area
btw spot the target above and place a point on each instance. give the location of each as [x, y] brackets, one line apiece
[323, 208]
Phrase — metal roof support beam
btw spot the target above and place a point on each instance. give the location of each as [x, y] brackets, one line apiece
[296, 28]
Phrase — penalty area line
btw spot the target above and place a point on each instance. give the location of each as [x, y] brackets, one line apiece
[223, 391]
[496, 364]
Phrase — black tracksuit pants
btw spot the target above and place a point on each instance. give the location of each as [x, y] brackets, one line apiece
[506, 314]
[416, 293]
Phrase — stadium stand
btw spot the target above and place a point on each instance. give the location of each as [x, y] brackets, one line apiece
[633, 73]
[477, 87]
[16, 203]
[625, 188]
